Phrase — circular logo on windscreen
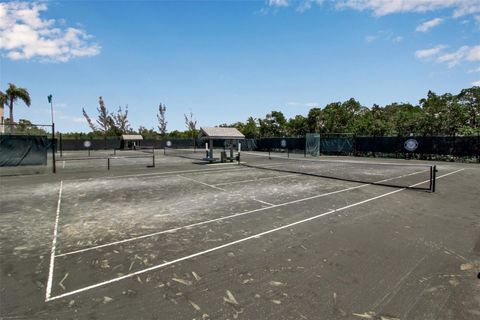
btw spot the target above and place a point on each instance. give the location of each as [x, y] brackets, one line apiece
[87, 144]
[283, 143]
[169, 143]
[411, 145]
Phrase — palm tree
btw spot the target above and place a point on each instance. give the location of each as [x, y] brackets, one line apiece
[3, 102]
[14, 93]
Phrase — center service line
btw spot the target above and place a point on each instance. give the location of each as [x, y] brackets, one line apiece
[255, 236]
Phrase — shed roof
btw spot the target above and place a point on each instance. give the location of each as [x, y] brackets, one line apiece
[132, 137]
[220, 133]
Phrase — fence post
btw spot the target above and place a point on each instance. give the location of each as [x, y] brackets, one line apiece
[434, 177]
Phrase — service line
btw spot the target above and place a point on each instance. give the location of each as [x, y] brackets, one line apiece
[255, 236]
[200, 182]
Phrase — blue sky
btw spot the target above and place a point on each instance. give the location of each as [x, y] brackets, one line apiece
[226, 61]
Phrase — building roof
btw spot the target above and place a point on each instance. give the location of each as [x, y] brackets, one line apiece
[220, 133]
[132, 137]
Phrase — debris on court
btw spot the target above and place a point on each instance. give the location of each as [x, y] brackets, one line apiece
[276, 283]
[469, 266]
[61, 281]
[277, 301]
[104, 264]
[373, 315]
[230, 299]
[182, 281]
[107, 299]
[196, 276]
[194, 305]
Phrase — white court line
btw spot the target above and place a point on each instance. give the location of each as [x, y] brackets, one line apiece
[264, 202]
[200, 182]
[153, 175]
[54, 245]
[229, 217]
[258, 179]
[255, 236]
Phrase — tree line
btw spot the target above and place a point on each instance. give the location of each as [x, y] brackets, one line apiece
[435, 115]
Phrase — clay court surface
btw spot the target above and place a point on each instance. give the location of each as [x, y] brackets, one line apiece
[185, 240]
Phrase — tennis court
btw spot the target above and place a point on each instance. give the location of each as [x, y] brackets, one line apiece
[269, 238]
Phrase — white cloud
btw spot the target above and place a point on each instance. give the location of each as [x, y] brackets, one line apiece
[370, 39]
[476, 83]
[474, 54]
[474, 70]
[303, 5]
[427, 53]
[397, 39]
[73, 119]
[454, 58]
[427, 25]
[386, 7]
[25, 35]
[278, 3]
[385, 35]
[470, 7]
[464, 53]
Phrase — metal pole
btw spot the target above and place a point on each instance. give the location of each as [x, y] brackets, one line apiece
[51, 106]
[53, 149]
[108, 163]
[153, 160]
[61, 145]
[434, 178]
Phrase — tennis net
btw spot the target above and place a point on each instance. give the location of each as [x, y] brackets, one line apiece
[411, 175]
[190, 153]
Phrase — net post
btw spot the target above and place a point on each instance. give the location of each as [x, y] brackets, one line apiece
[114, 151]
[153, 160]
[269, 157]
[238, 157]
[89, 151]
[108, 163]
[288, 153]
[54, 168]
